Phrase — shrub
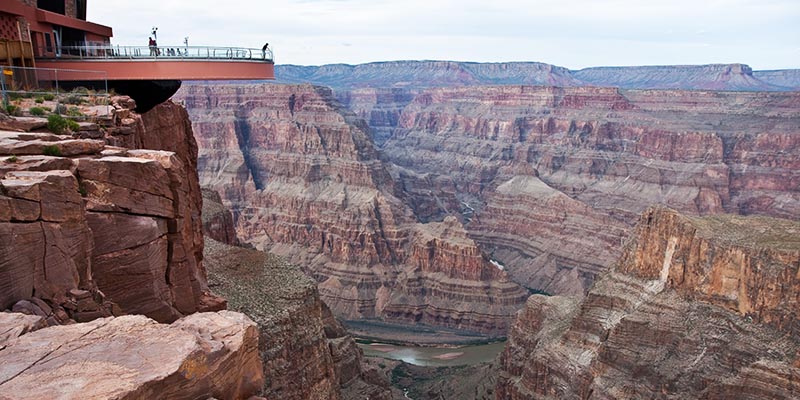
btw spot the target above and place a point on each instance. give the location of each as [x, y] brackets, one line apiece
[74, 112]
[49, 97]
[73, 99]
[56, 123]
[39, 100]
[51, 150]
[37, 111]
[14, 110]
[73, 126]
[61, 109]
[11, 159]
[48, 109]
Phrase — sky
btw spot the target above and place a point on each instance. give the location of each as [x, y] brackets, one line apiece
[764, 34]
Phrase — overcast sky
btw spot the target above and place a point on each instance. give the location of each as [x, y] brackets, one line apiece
[571, 33]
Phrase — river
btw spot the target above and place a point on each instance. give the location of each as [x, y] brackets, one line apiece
[435, 356]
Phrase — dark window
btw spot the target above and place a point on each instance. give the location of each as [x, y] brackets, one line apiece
[48, 43]
[81, 6]
[56, 6]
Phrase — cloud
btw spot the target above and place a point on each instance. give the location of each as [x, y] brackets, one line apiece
[573, 33]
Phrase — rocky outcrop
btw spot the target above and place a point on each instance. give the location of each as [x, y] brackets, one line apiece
[133, 357]
[304, 180]
[696, 308]
[217, 220]
[89, 229]
[585, 162]
[306, 353]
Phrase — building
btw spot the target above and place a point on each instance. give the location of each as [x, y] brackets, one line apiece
[54, 37]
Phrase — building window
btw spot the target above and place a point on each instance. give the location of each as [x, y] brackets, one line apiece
[56, 6]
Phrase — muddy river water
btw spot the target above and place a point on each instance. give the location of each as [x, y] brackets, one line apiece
[435, 356]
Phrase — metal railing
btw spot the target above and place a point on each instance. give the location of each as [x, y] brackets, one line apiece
[158, 52]
[23, 89]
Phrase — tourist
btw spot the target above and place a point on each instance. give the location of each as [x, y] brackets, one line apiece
[264, 51]
[152, 45]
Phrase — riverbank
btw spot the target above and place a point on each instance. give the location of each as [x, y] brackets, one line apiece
[374, 331]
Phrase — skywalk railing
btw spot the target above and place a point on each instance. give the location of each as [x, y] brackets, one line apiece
[94, 52]
[28, 91]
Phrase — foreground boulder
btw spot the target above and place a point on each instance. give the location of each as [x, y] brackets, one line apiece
[133, 357]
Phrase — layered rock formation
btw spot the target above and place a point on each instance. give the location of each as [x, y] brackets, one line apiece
[306, 353]
[304, 180]
[132, 357]
[705, 77]
[88, 229]
[427, 74]
[697, 307]
[552, 179]
[419, 74]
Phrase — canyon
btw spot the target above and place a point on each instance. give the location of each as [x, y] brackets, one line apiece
[436, 194]
[406, 204]
[103, 245]
[303, 180]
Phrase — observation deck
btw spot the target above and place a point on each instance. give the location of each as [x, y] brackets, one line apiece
[141, 63]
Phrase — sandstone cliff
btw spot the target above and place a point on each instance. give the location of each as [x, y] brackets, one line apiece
[88, 228]
[550, 180]
[304, 180]
[696, 308]
[132, 357]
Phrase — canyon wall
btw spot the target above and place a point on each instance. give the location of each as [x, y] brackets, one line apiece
[306, 353]
[696, 308]
[90, 229]
[428, 74]
[304, 180]
[549, 181]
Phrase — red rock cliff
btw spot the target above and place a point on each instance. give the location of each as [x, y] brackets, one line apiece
[89, 229]
[696, 308]
[598, 157]
[304, 180]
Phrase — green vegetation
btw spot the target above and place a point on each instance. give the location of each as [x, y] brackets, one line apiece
[73, 126]
[39, 100]
[52, 150]
[56, 123]
[11, 159]
[48, 109]
[37, 111]
[49, 97]
[61, 109]
[74, 112]
[14, 110]
[73, 99]
[82, 190]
